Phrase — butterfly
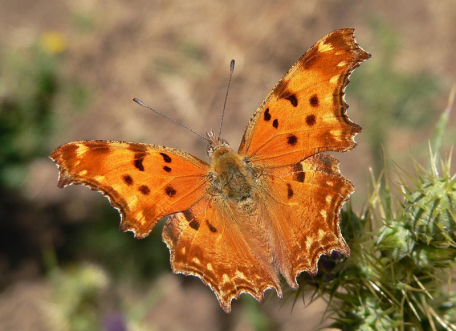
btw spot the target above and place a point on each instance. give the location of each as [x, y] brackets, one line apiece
[245, 218]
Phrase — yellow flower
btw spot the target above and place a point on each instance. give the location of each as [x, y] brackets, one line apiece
[53, 42]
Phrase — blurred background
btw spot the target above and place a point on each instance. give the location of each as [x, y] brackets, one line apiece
[68, 71]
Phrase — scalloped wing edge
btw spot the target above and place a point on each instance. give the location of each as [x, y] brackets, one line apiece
[64, 179]
[362, 56]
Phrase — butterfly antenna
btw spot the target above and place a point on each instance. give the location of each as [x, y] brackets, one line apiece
[139, 102]
[226, 96]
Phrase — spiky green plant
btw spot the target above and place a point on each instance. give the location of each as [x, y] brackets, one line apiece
[403, 252]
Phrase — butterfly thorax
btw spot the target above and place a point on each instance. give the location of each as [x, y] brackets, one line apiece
[232, 176]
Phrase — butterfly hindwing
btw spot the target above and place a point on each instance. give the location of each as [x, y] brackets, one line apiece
[211, 241]
[144, 182]
[306, 111]
[303, 205]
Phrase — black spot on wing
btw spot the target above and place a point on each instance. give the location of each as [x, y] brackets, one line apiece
[314, 100]
[283, 92]
[211, 227]
[144, 189]
[138, 161]
[292, 98]
[275, 123]
[170, 191]
[194, 224]
[127, 180]
[188, 215]
[166, 157]
[292, 140]
[299, 174]
[266, 115]
[167, 169]
[290, 192]
[310, 120]
[192, 221]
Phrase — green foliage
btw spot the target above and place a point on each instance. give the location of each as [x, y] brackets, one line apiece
[403, 251]
[99, 240]
[77, 298]
[31, 80]
[28, 90]
[392, 98]
[84, 297]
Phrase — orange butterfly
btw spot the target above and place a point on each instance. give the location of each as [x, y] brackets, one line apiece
[271, 208]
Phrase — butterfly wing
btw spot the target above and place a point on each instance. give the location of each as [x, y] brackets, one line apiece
[300, 191]
[303, 203]
[212, 242]
[144, 182]
[306, 112]
[292, 216]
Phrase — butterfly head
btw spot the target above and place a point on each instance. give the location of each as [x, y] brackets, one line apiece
[216, 145]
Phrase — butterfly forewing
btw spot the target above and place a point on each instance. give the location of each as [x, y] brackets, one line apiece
[306, 111]
[144, 182]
